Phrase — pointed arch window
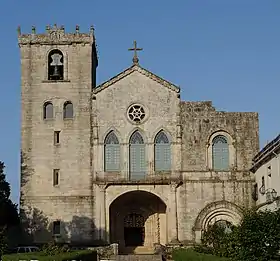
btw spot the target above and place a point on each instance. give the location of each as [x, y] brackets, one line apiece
[137, 156]
[112, 152]
[68, 111]
[48, 111]
[162, 152]
[220, 153]
[55, 65]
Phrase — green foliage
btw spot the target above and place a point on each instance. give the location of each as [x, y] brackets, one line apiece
[8, 210]
[259, 235]
[83, 255]
[52, 249]
[201, 248]
[218, 241]
[3, 241]
[191, 255]
[9, 217]
[257, 238]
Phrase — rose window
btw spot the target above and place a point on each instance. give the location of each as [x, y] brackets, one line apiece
[136, 113]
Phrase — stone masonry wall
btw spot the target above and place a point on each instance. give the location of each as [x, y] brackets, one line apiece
[202, 196]
[206, 195]
[72, 198]
[200, 120]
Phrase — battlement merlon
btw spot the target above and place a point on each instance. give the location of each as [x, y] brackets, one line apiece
[56, 35]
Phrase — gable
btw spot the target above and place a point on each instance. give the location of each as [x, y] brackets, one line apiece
[136, 68]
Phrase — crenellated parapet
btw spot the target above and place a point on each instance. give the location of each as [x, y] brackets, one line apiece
[56, 35]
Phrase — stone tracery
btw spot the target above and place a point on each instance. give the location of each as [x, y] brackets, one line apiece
[136, 113]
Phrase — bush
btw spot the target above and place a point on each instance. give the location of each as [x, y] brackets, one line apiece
[203, 249]
[191, 255]
[52, 249]
[220, 240]
[259, 236]
[83, 255]
[3, 242]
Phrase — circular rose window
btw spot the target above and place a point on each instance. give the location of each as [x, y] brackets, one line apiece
[136, 113]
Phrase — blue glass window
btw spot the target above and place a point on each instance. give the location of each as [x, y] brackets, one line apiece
[162, 152]
[112, 152]
[220, 153]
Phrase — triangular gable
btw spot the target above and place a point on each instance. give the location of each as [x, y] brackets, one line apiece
[141, 70]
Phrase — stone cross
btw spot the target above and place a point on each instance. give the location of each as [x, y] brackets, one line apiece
[135, 49]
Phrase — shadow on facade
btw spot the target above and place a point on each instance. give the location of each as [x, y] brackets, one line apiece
[37, 229]
[25, 171]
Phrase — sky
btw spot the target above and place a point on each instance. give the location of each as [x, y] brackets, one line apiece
[226, 51]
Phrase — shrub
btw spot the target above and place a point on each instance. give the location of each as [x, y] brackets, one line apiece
[3, 242]
[203, 249]
[259, 236]
[191, 255]
[83, 255]
[52, 249]
[219, 241]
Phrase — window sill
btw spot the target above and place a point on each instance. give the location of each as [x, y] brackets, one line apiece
[51, 119]
[162, 172]
[54, 81]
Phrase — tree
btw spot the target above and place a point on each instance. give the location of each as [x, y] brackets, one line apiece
[259, 235]
[9, 217]
[257, 238]
[220, 239]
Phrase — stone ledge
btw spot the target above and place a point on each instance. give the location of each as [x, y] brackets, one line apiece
[107, 183]
[55, 81]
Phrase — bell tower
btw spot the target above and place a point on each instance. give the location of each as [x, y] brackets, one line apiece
[58, 72]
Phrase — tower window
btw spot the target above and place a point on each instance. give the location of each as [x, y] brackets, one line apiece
[55, 177]
[56, 137]
[55, 65]
[68, 111]
[48, 110]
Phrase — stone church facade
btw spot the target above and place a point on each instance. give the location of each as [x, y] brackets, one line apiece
[127, 161]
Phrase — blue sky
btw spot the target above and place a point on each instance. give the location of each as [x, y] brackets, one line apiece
[224, 51]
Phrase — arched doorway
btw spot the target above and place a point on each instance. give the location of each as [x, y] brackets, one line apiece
[138, 218]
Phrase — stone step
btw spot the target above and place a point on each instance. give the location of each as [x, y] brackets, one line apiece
[140, 250]
[139, 258]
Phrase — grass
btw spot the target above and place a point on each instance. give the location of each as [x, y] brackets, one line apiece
[191, 255]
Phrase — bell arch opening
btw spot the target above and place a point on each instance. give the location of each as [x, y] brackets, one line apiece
[138, 219]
